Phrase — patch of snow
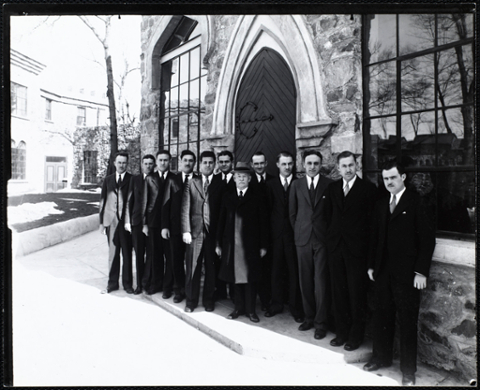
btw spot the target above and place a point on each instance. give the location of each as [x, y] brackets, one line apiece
[28, 212]
[74, 190]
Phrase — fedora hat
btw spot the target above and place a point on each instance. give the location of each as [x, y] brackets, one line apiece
[242, 167]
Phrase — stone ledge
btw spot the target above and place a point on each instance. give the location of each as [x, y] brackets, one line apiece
[454, 252]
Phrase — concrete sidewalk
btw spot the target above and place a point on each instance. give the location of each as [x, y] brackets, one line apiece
[84, 260]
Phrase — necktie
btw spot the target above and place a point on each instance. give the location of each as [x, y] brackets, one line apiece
[285, 185]
[393, 204]
[119, 181]
[241, 195]
[206, 206]
[262, 180]
[346, 189]
[312, 193]
[205, 186]
[186, 179]
[225, 178]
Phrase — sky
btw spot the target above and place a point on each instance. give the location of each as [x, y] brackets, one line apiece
[75, 58]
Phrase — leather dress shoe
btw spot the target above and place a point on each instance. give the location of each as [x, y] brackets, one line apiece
[298, 319]
[253, 317]
[129, 290]
[235, 314]
[374, 366]
[152, 291]
[178, 298]
[337, 342]
[166, 295]
[351, 346]
[271, 313]
[188, 309]
[108, 290]
[209, 308]
[320, 334]
[408, 380]
[137, 291]
[305, 326]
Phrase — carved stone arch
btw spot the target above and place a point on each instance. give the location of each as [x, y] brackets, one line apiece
[163, 32]
[289, 36]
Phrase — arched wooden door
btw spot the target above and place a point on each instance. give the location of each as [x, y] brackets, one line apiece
[265, 110]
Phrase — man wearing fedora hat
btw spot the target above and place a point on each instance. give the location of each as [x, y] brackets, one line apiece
[242, 239]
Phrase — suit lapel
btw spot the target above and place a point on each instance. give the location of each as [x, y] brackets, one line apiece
[402, 205]
[321, 185]
[304, 189]
[197, 182]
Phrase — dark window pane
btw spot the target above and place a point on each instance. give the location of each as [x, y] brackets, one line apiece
[183, 128]
[418, 139]
[193, 126]
[417, 80]
[166, 130]
[455, 76]
[175, 128]
[382, 38]
[382, 88]
[454, 138]
[454, 27]
[382, 141]
[417, 33]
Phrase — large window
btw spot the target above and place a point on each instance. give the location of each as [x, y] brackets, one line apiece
[90, 166]
[183, 83]
[418, 107]
[81, 116]
[18, 95]
[19, 155]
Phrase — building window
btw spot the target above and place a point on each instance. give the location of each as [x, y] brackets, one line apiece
[90, 166]
[48, 110]
[183, 83]
[18, 99]
[418, 108]
[81, 116]
[19, 154]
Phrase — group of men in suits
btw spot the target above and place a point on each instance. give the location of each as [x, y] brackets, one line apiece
[309, 243]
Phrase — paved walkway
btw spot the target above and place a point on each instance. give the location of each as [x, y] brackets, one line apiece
[84, 260]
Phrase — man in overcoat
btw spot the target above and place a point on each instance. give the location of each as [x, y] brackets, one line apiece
[199, 217]
[113, 209]
[400, 254]
[172, 226]
[242, 240]
[306, 209]
[349, 204]
[134, 218]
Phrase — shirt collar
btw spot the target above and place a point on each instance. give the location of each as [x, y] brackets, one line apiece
[210, 177]
[288, 179]
[315, 180]
[122, 175]
[259, 177]
[397, 195]
[190, 175]
[350, 183]
[244, 191]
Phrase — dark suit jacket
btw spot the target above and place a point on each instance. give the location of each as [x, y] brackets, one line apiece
[259, 186]
[348, 218]
[109, 198]
[278, 208]
[230, 185]
[401, 243]
[153, 199]
[172, 203]
[242, 221]
[304, 217]
[134, 215]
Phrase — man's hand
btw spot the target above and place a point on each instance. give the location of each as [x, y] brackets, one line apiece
[166, 234]
[102, 229]
[145, 230]
[218, 251]
[420, 281]
[187, 238]
[263, 252]
[370, 274]
[128, 227]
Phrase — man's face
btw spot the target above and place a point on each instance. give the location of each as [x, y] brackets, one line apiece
[347, 167]
[225, 164]
[207, 164]
[188, 162]
[312, 165]
[394, 182]
[285, 166]
[241, 180]
[147, 165]
[163, 162]
[121, 163]
[259, 164]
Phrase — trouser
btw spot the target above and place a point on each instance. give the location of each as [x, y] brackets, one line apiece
[245, 297]
[177, 266]
[394, 297]
[140, 246]
[119, 240]
[154, 271]
[349, 292]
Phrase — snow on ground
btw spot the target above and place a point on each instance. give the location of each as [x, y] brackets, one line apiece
[73, 190]
[28, 212]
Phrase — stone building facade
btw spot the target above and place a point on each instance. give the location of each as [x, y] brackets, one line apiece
[323, 56]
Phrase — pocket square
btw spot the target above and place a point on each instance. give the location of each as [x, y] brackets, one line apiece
[404, 212]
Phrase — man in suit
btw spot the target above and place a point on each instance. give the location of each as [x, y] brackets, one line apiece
[402, 244]
[225, 164]
[306, 209]
[259, 164]
[159, 249]
[348, 206]
[134, 217]
[284, 271]
[242, 239]
[113, 209]
[199, 217]
[172, 227]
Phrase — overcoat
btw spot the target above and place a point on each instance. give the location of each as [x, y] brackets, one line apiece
[242, 232]
[110, 203]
